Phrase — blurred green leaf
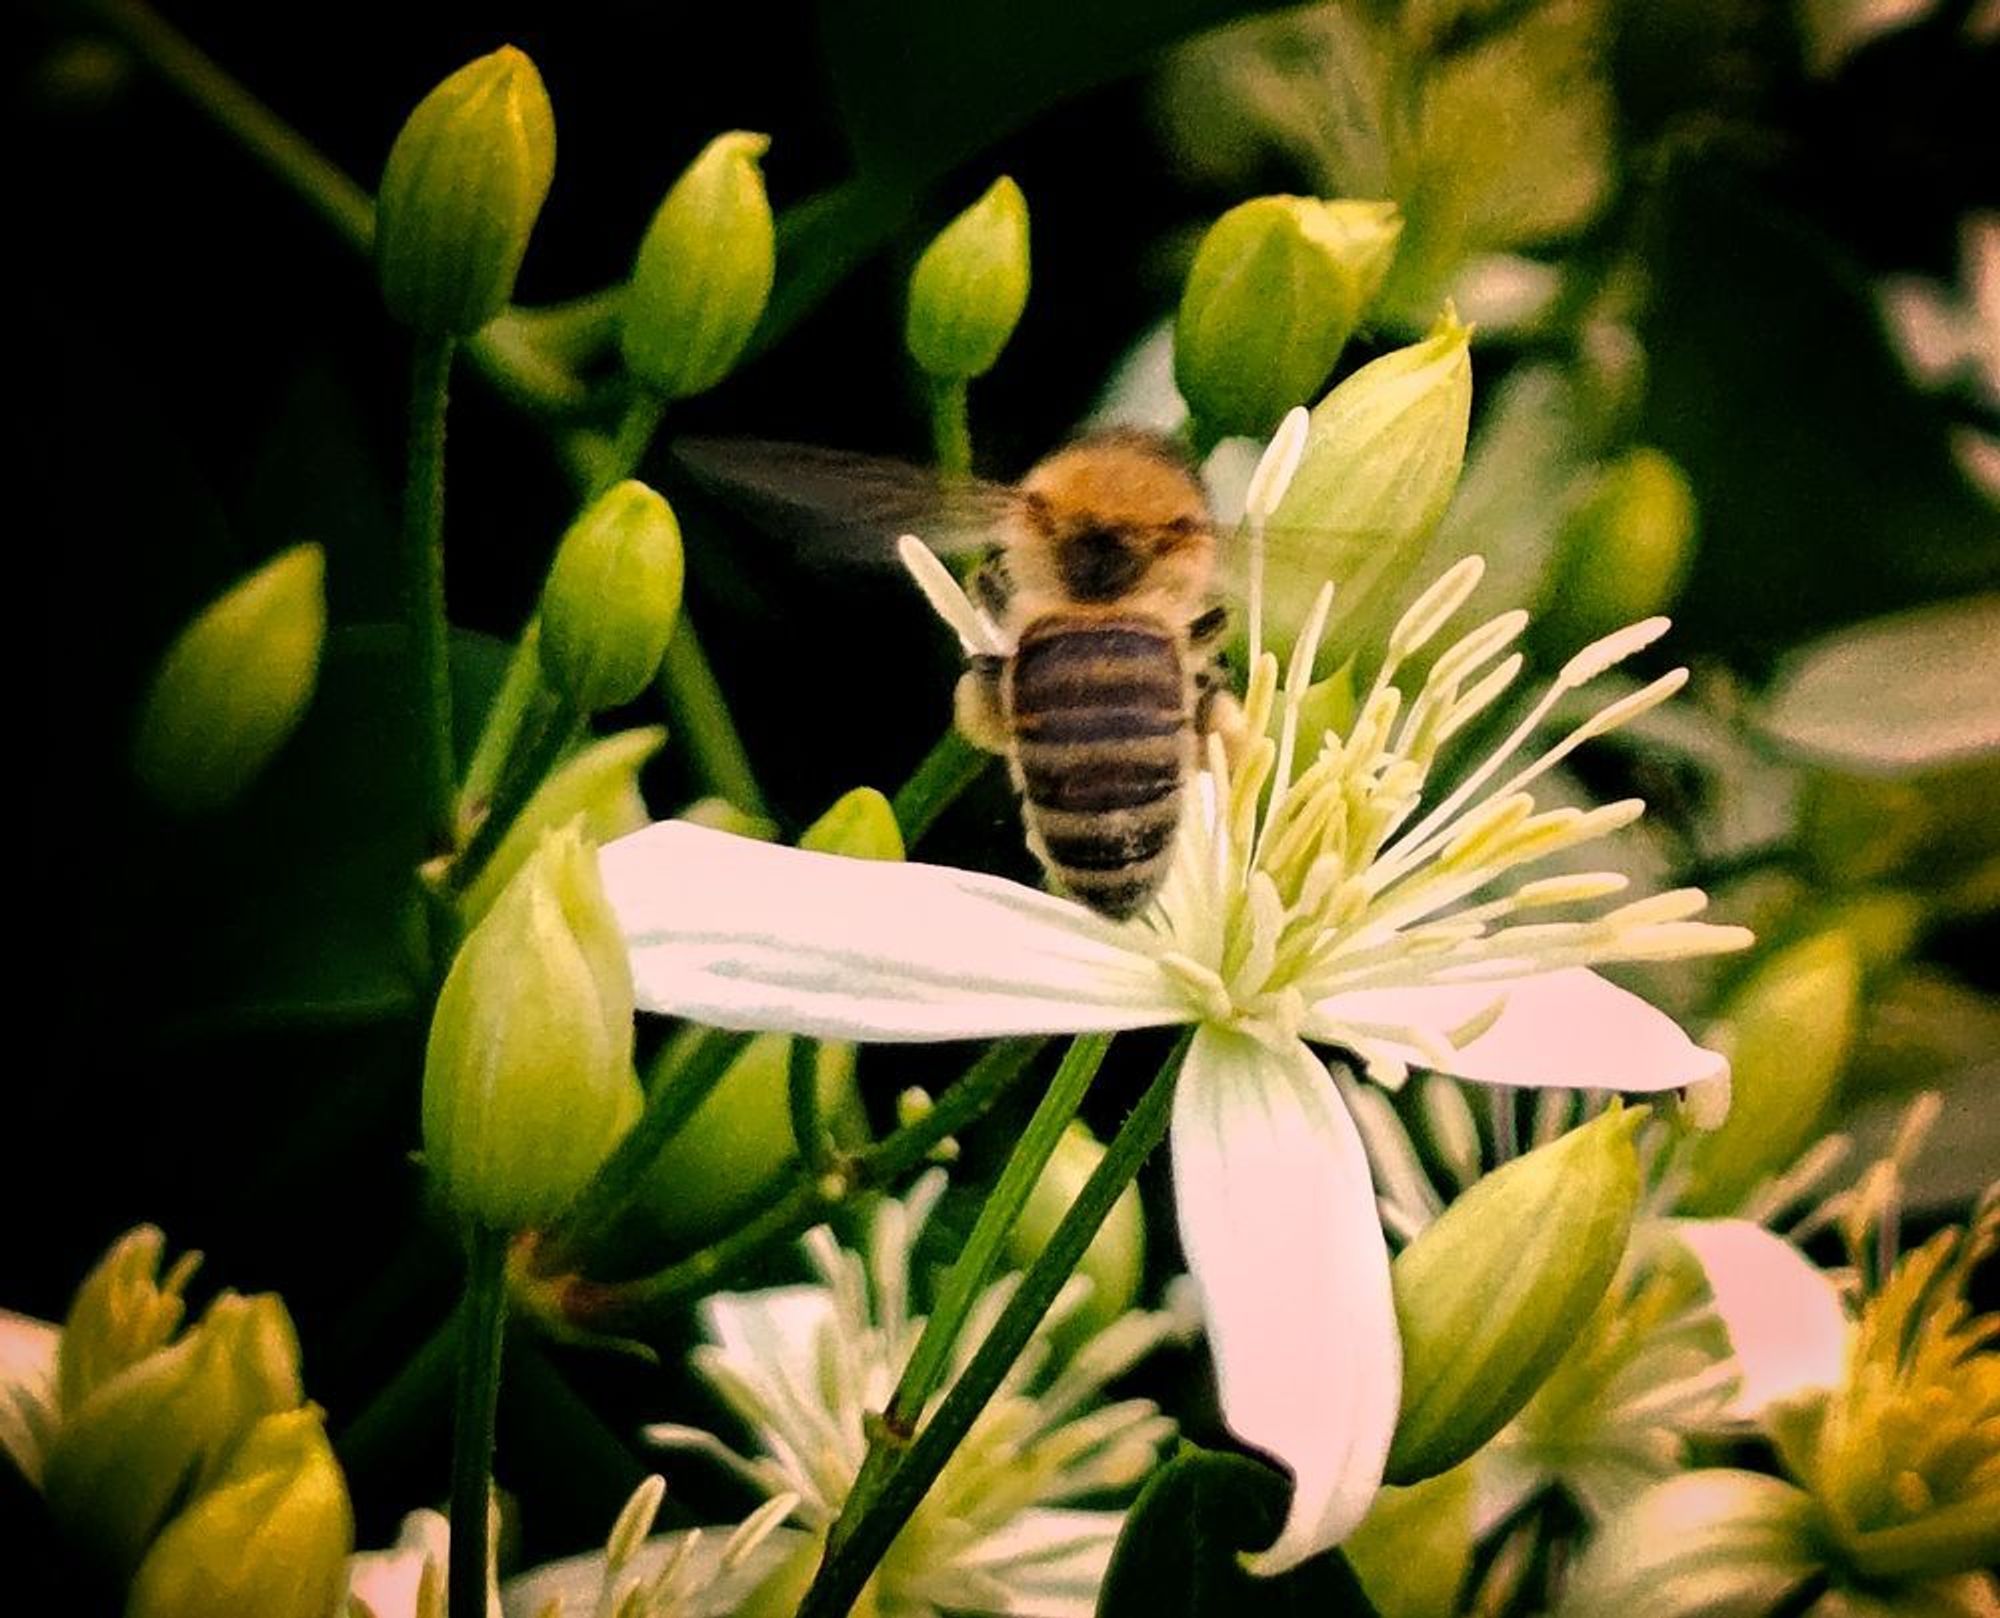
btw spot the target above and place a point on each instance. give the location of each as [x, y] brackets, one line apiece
[921, 87]
[1908, 692]
[1178, 1556]
[298, 905]
[1826, 481]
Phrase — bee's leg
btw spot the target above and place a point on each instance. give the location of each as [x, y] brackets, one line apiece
[992, 588]
[976, 705]
[1205, 632]
[1216, 710]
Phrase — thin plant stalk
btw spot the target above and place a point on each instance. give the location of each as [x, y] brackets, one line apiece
[423, 583]
[852, 1557]
[482, 1329]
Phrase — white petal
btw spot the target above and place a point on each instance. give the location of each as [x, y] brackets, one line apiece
[1277, 1216]
[28, 1350]
[743, 934]
[1782, 1314]
[1569, 1028]
[1049, 1562]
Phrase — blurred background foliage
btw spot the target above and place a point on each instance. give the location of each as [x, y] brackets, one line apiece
[1736, 348]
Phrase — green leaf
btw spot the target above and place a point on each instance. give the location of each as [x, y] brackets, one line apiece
[921, 87]
[1814, 459]
[1179, 1554]
[303, 892]
[1894, 695]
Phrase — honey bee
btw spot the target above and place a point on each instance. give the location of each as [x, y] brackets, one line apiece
[1098, 569]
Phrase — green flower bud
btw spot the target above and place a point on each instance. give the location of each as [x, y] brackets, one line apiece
[598, 784]
[704, 270]
[860, 825]
[1490, 1296]
[1787, 1031]
[969, 288]
[729, 1156]
[166, 1425]
[1277, 287]
[528, 1080]
[1382, 458]
[1622, 552]
[1116, 1257]
[122, 1312]
[234, 685]
[268, 1539]
[1414, 1548]
[612, 597]
[465, 181]
[719, 814]
[1729, 1544]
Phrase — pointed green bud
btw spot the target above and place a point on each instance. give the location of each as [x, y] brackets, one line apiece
[1382, 457]
[268, 1539]
[860, 824]
[970, 286]
[1622, 552]
[1414, 1548]
[612, 598]
[732, 1153]
[122, 1312]
[1788, 1031]
[166, 1425]
[704, 271]
[599, 783]
[1277, 287]
[1496, 1289]
[234, 685]
[1719, 1542]
[528, 1080]
[463, 186]
[1116, 1258]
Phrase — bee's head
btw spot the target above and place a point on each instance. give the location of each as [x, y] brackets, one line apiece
[1115, 517]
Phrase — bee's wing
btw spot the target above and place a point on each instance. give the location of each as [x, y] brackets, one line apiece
[835, 506]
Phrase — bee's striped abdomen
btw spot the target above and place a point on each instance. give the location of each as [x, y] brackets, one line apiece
[1099, 712]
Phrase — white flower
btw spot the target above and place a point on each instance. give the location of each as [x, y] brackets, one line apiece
[688, 1574]
[803, 1366]
[1323, 889]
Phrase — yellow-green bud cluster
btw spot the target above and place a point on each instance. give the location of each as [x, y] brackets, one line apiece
[1277, 287]
[528, 1079]
[190, 1464]
[234, 685]
[970, 286]
[612, 598]
[464, 184]
[704, 271]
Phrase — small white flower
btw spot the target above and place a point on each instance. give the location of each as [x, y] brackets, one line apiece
[1323, 889]
[692, 1573]
[804, 1366]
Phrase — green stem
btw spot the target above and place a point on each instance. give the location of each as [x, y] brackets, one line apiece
[951, 429]
[670, 1104]
[810, 1198]
[483, 1326]
[946, 771]
[971, 1272]
[802, 1098]
[519, 781]
[423, 582]
[523, 699]
[701, 720]
[851, 1558]
[636, 431]
[267, 137]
